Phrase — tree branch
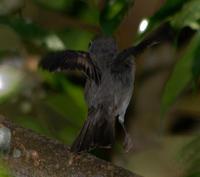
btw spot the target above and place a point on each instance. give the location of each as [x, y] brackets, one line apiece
[28, 154]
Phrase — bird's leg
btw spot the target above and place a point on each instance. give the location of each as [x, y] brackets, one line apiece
[128, 143]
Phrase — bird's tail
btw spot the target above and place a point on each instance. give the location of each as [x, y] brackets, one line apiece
[98, 131]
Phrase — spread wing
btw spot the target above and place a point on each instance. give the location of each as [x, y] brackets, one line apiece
[162, 33]
[71, 60]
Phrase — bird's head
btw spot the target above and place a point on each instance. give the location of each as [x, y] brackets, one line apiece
[103, 49]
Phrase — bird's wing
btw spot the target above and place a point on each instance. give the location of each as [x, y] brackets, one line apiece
[162, 33]
[71, 60]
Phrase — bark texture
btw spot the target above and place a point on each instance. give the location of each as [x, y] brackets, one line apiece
[28, 154]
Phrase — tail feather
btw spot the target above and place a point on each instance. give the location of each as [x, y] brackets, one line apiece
[98, 131]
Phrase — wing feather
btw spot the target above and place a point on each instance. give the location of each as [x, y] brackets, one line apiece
[71, 60]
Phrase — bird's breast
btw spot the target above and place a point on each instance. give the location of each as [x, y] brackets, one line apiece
[112, 90]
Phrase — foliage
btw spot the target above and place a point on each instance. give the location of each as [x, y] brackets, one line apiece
[24, 28]
[189, 15]
[184, 72]
[113, 13]
[180, 14]
[170, 8]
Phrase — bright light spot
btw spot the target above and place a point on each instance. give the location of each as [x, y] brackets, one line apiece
[143, 25]
[1, 83]
[53, 42]
[10, 80]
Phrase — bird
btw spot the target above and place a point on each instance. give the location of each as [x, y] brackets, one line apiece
[108, 89]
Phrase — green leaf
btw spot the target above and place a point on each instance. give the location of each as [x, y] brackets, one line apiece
[38, 125]
[90, 15]
[162, 16]
[66, 106]
[181, 75]
[11, 40]
[168, 9]
[67, 103]
[75, 39]
[113, 13]
[25, 28]
[33, 33]
[189, 15]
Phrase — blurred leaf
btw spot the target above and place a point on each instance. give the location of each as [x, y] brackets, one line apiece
[68, 133]
[113, 13]
[163, 15]
[25, 28]
[168, 9]
[33, 33]
[77, 94]
[90, 15]
[179, 13]
[181, 75]
[68, 102]
[189, 15]
[75, 39]
[10, 38]
[64, 105]
[33, 123]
